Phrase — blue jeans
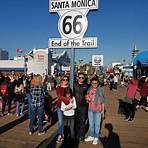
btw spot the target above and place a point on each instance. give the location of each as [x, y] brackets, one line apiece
[19, 108]
[36, 110]
[60, 121]
[94, 123]
[28, 95]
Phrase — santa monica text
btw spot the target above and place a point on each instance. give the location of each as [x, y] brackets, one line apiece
[60, 5]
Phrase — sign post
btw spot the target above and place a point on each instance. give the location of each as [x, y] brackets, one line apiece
[72, 61]
[72, 26]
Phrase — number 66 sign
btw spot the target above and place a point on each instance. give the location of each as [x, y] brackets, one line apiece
[72, 24]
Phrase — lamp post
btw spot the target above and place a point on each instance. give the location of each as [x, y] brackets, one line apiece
[25, 65]
[135, 71]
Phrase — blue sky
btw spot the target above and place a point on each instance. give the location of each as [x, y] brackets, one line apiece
[118, 24]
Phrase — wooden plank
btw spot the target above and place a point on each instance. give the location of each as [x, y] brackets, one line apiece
[128, 134]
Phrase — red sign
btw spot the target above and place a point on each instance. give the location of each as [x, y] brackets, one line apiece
[40, 57]
[18, 50]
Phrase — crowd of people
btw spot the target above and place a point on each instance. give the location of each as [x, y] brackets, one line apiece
[79, 109]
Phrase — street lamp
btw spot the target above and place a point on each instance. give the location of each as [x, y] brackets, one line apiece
[25, 65]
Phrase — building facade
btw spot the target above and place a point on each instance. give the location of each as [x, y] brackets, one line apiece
[3, 54]
[37, 61]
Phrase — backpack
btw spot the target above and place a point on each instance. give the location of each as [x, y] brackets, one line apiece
[4, 89]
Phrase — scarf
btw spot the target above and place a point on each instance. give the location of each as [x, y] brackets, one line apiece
[98, 94]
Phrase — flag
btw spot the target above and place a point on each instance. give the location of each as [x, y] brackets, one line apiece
[19, 50]
[29, 55]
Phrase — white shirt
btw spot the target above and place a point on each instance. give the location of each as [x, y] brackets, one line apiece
[115, 79]
[69, 110]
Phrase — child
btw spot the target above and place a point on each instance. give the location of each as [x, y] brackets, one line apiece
[95, 99]
[69, 111]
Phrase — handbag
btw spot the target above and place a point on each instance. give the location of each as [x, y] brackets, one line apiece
[128, 100]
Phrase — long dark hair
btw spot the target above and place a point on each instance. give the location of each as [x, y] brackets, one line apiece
[68, 91]
[19, 82]
[95, 79]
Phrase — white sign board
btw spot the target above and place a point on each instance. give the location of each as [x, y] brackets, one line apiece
[72, 24]
[66, 68]
[89, 42]
[60, 5]
[97, 60]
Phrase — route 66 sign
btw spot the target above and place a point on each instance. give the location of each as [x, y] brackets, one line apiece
[97, 60]
[72, 24]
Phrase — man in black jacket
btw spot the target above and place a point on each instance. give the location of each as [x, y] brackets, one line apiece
[80, 90]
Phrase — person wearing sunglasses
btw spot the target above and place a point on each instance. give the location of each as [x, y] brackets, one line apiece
[80, 90]
[64, 84]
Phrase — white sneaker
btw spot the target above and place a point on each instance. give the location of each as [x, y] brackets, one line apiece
[95, 141]
[141, 106]
[30, 133]
[21, 114]
[59, 139]
[41, 133]
[89, 138]
[146, 108]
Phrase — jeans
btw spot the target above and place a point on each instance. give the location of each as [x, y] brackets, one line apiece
[60, 121]
[9, 101]
[19, 107]
[94, 123]
[130, 110]
[115, 85]
[80, 122]
[36, 110]
[143, 101]
[111, 85]
[69, 126]
[28, 95]
[4, 101]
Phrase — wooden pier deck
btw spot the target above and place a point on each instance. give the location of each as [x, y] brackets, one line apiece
[122, 134]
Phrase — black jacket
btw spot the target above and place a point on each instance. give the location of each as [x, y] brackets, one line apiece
[80, 90]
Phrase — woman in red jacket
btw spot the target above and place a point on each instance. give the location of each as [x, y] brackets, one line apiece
[130, 99]
[64, 84]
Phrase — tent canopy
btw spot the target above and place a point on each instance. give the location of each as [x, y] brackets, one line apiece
[141, 59]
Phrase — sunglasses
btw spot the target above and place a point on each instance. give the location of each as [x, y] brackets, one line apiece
[64, 79]
[81, 77]
[95, 83]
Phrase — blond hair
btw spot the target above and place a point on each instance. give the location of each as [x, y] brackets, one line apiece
[37, 80]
